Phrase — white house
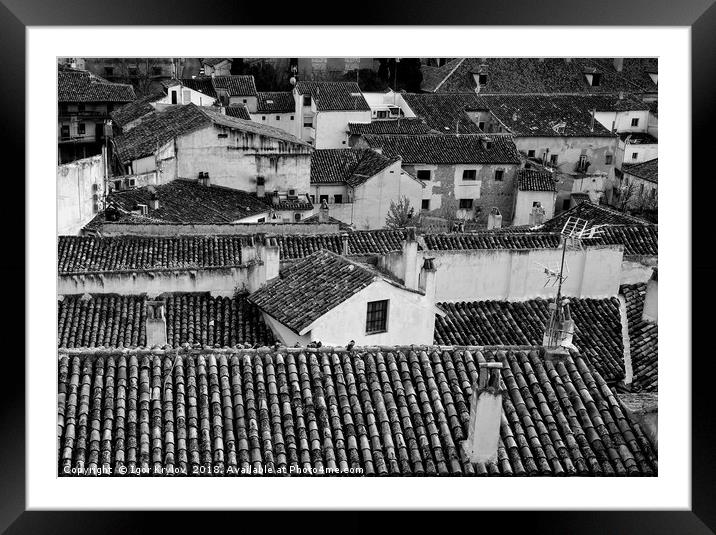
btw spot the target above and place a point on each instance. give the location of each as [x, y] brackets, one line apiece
[326, 297]
[358, 185]
[324, 110]
[189, 142]
[535, 196]
[277, 109]
[635, 148]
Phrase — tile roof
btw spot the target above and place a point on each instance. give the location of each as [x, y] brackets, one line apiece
[445, 112]
[334, 96]
[202, 84]
[311, 287]
[404, 125]
[214, 61]
[390, 411]
[535, 180]
[237, 85]
[312, 220]
[638, 240]
[540, 116]
[638, 138]
[360, 243]
[187, 201]
[163, 126]
[240, 112]
[491, 240]
[276, 102]
[648, 170]
[447, 149]
[643, 340]
[598, 331]
[301, 202]
[534, 75]
[83, 86]
[594, 214]
[135, 110]
[111, 320]
[346, 166]
[434, 76]
[91, 254]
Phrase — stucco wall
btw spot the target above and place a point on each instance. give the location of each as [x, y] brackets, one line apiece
[621, 121]
[216, 281]
[517, 275]
[637, 269]
[285, 121]
[77, 184]
[332, 127]
[523, 205]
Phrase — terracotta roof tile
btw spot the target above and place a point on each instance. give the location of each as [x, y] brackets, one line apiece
[392, 411]
[360, 243]
[111, 320]
[135, 110]
[594, 214]
[238, 85]
[90, 254]
[334, 96]
[240, 112]
[643, 340]
[648, 170]
[535, 180]
[404, 125]
[491, 240]
[346, 166]
[598, 332]
[83, 86]
[276, 102]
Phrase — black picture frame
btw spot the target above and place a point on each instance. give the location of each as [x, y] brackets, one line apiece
[699, 15]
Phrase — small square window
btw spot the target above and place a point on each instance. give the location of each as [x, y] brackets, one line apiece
[424, 174]
[565, 204]
[554, 159]
[297, 216]
[306, 100]
[261, 220]
[634, 155]
[530, 153]
[376, 317]
[81, 129]
[245, 101]
[608, 159]
[465, 204]
[263, 117]
[469, 174]
[635, 121]
[278, 117]
[425, 205]
[481, 125]
[338, 199]
[292, 117]
[323, 198]
[308, 123]
[482, 79]
[535, 203]
[499, 175]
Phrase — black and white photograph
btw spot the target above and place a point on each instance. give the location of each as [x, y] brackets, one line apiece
[357, 266]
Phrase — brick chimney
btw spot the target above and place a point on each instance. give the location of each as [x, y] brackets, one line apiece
[345, 251]
[619, 64]
[323, 212]
[156, 326]
[494, 219]
[485, 414]
[410, 259]
[426, 281]
[650, 312]
[537, 215]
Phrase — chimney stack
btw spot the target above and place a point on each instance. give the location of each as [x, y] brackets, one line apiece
[204, 179]
[494, 219]
[410, 259]
[485, 414]
[426, 280]
[323, 212]
[156, 326]
[619, 64]
[260, 187]
[154, 202]
[249, 250]
[269, 253]
[537, 215]
[650, 312]
[344, 244]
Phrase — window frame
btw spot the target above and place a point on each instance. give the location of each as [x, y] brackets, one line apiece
[499, 175]
[469, 175]
[465, 201]
[376, 319]
[306, 100]
[428, 171]
[635, 121]
[338, 198]
[423, 203]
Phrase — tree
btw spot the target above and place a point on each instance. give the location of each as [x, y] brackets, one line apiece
[409, 76]
[400, 214]
[368, 80]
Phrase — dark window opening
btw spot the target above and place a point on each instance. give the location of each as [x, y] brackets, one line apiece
[313, 199]
[465, 204]
[608, 159]
[223, 136]
[323, 198]
[261, 220]
[553, 159]
[245, 101]
[596, 79]
[634, 155]
[499, 175]
[635, 122]
[425, 205]
[292, 117]
[308, 123]
[297, 217]
[306, 100]
[81, 129]
[530, 153]
[108, 71]
[174, 97]
[481, 125]
[263, 117]
[278, 117]
[424, 174]
[565, 204]
[65, 131]
[482, 79]
[338, 199]
[377, 317]
[469, 174]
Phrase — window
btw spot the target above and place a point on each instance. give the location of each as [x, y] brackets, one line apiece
[245, 101]
[222, 136]
[634, 155]
[481, 125]
[553, 159]
[297, 216]
[482, 79]
[596, 79]
[535, 203]
[382, 114]
[278, 117]
[469, 174]
[608, 159]
[425, 204]
[81, 129]
[565, 204]
[530, 153]
[156, 71]
[292, 117]
[499, 175]
[308, 122]
[465, 204]
[635, 121]
[377, 317]
[261, 220]
[108, 71]
[65, 131]
[306, 100]
[263, 117]
[174, 97]
[338, 199]
[424, 174]
[323, 198]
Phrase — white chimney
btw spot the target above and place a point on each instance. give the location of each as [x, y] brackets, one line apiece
[204, 179]
[249, 250]
[345, 251]
[260, 187]
[650, 311]
[426, 280]
[537, 215]
[410, 259]
[619, 64]
[483, 435]
[156, 326]
[269, 253]
[323, 212]
[154, 202]
[494, 219]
